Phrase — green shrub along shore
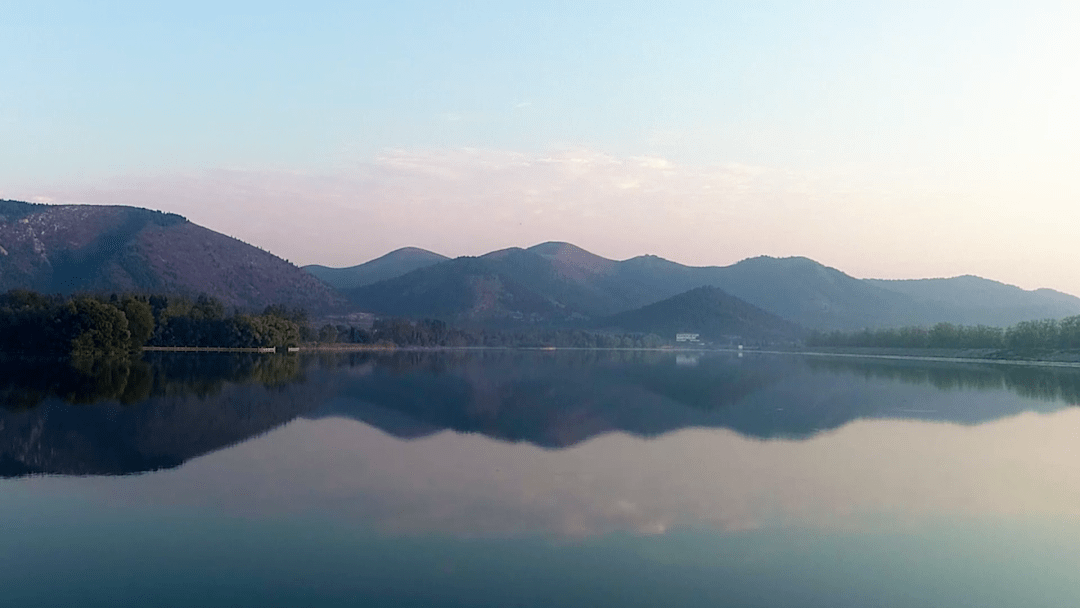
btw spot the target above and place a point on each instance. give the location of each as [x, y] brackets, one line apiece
[94, 326]
[84, 325]
[1046, 335]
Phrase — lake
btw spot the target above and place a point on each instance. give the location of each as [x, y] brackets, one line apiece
[528, 478]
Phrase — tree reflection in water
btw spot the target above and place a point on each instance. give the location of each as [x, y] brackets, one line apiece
[121, 415]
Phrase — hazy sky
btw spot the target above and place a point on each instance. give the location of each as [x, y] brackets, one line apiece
[894, 139]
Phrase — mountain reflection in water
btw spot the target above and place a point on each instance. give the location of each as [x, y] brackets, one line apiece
[118, 417]
[528, 478]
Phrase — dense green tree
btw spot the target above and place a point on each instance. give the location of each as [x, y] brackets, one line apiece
[87, 326]
[328, 334]
[944, 335]
[1069, 333]
[96, 327]
[981, 336]
[140, 318]
[1028, 335]
[1046, 334]
[207, 308]
[264, 331]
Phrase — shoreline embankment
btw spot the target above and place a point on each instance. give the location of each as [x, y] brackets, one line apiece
[1069, 359]
[946, 355]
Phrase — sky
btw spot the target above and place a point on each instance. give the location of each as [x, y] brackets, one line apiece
[886, 139]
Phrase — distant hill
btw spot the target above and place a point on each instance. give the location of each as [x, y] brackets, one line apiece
[393, 264]
[549, 283]
[556, 282]
[814, 295]
[975, 300]
[94, 248]
[571, 261]
[467, 290]
[72, 248]
[708, 311]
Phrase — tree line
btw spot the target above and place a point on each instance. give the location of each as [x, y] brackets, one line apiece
[25, 382]
[1045, 334]
[91, 326]
[86, 325]
[434, 333]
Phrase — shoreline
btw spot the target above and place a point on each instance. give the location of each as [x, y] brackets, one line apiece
[206, 349]
[1062, 359]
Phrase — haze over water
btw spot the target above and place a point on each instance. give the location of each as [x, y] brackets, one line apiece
[536, 479]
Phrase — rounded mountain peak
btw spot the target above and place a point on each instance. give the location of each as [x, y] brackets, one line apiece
[571, 258]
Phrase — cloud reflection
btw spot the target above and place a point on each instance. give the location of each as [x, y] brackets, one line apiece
[470, 485]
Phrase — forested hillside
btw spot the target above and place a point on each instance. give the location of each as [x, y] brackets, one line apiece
[393, 264]
[715, 315]
[557, 283]
[111, 249]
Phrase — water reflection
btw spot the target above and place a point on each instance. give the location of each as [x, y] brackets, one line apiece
[27, 382]
[1032, 381]
[903, 472]
[559, 400]
[531, 478]
[116, 417]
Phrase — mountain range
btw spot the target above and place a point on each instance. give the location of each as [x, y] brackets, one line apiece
[92, 248]
[393, 264]
[560, 283]
[184, 407]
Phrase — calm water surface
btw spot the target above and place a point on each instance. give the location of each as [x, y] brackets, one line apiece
[506, 478]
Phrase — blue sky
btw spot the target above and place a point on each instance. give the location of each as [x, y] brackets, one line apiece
[860, 134]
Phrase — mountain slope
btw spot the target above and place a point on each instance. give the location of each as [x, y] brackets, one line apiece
[556, 282]
[975, 300]
[391, 265]
[510, 284]
[464, 289]
[71, 248]
[573, 262]
[707, 311]
[505, 286]
[813, 295]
